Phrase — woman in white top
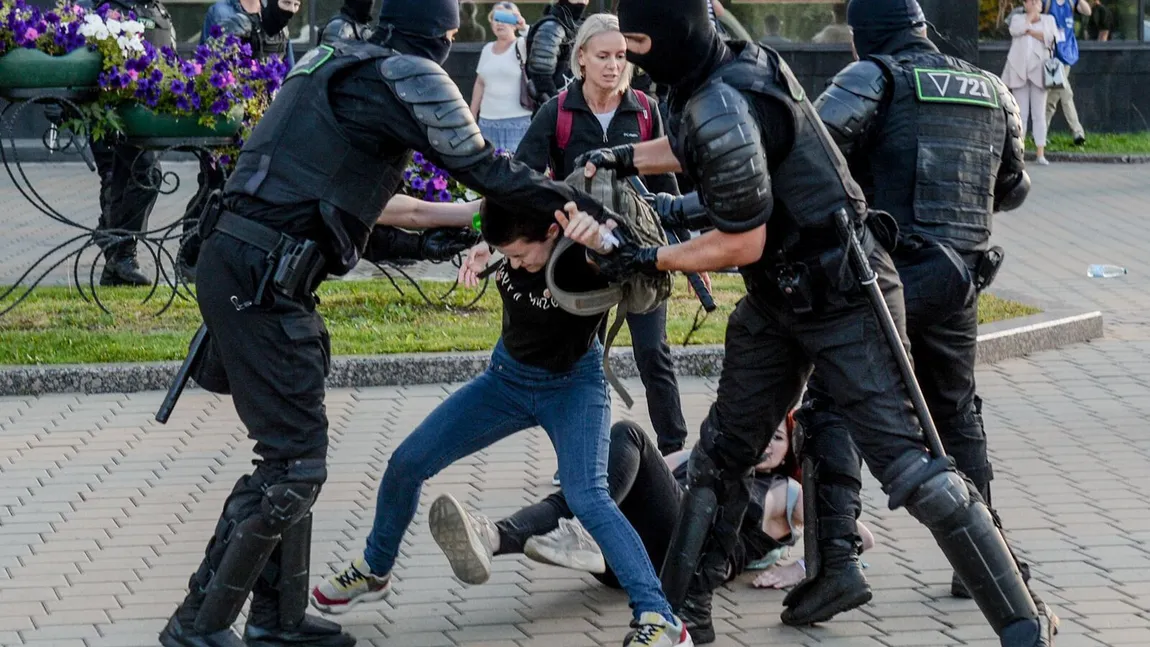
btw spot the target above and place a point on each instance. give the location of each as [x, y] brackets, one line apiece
[1033, 33]
[495, 98]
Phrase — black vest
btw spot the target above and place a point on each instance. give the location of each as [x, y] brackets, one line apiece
[298, 154]
[265, 44]
[935, 158]
[812, 182]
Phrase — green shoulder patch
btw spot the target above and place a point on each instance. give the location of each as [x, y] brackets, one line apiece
[953, 86]
[312, 61]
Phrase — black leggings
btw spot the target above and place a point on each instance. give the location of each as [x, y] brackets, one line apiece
[640, 483]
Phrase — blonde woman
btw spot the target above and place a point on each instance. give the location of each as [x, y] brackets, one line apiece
[1033, 34]
[495, 98]
[599, 109]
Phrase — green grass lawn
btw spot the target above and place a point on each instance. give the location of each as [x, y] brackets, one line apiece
[54, 326]
[1120, 144]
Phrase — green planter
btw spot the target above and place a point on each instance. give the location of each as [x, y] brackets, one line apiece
[31, 68]
[142, 122]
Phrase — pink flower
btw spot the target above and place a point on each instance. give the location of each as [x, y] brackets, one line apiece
[134, 74]
[77, 10]
[198, 68]
[31, 34]
[439, 183]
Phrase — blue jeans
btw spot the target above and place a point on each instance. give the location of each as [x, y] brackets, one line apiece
[574, 408]
[504, 133]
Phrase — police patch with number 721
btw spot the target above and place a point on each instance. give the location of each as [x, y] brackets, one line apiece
[952, 86]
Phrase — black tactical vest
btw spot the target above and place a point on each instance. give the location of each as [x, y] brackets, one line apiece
[156, 20]
[265, 44]
[936, 156]
[298, 154]
[812, 182]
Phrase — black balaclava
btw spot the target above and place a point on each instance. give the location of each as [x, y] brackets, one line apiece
[417, 27]
[573, 11]
[685, 47]
[359, 10]
[887, 26]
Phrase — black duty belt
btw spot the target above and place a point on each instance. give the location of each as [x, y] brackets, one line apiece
[295, 267]
[252, 233]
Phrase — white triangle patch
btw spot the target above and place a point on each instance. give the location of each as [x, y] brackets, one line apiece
[945, 82]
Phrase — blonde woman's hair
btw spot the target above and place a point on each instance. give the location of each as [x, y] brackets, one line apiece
[594, 25]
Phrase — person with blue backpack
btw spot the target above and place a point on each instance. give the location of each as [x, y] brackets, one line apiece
[1066, 50]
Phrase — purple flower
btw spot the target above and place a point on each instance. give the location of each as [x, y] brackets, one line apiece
[220, 106]
[248, 92]
[182, 103]
[52, 18]
[215, 31]
[444, 196]
[177, 86]
[218, 80]
[418, 183]
[417, 157]
[407, 175]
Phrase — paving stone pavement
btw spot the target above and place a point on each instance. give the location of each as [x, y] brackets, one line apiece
[104, 513]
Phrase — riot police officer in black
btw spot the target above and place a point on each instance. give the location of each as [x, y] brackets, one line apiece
[129, 175]
[353, 22]
[309, 184]
[774, 183]
[937, 143]
[548, 64]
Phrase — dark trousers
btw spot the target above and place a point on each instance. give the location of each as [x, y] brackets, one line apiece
[657, 371]
[274, 355]
[129, 186]
[639, 482]
[770, 352]
[944, 346]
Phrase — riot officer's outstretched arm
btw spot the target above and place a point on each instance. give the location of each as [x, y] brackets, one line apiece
[437, 122]
[850, 104]
[543, 58]
[1013, 183]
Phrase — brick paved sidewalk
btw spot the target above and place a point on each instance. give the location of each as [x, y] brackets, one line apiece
[104, 514]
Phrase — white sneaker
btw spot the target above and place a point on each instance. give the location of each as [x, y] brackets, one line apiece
[1041, 161]
[653, 630]
[569, 546]
[353, 585]
[468, 540]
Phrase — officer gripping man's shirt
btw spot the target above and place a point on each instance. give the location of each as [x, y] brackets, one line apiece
[937, 143]
[773, 181]
[309, 185]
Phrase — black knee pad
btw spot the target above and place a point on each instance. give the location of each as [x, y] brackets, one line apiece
[288, 500]
[903, 477]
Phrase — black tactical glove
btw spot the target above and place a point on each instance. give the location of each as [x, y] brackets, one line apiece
[626, 261]
[620, 159]
[445, 243]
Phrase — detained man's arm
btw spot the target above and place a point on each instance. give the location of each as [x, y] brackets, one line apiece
[411, 213]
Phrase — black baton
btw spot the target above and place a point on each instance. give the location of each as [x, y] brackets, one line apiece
[195, 352]
[694, 279]
[867, 278]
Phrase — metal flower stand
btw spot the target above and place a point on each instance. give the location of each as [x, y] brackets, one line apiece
[168, 246]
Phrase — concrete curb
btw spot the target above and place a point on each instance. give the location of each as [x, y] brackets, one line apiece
[1057, 326]
[1094, 158]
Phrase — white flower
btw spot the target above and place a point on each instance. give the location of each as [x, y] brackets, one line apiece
[93, 19]
[114, 26]
[133, 27]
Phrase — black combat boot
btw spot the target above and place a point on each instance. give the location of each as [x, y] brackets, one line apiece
[696, 615]
[121, 268]
[180, 631]
[838, 587]
[310, 632]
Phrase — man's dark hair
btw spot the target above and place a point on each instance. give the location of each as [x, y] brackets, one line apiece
[501, 225]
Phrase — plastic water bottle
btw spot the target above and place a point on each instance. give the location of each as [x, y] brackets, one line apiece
[1104, 271]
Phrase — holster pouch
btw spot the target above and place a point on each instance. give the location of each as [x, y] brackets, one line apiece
[987, 267]
[794, 281]
[298, 267]
[210, 216]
